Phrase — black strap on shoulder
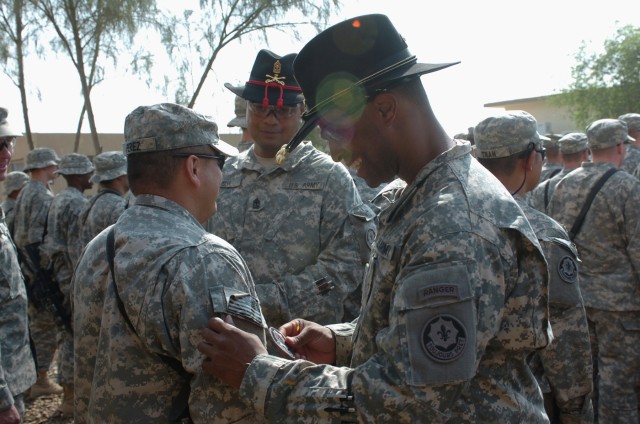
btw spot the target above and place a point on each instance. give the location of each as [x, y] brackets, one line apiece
[546, 194]
[587, 204]
[180, 411]
[554, 173]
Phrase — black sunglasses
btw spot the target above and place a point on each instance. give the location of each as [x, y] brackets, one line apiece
[220, 158]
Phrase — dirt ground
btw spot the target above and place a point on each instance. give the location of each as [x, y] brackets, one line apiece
[43, 410]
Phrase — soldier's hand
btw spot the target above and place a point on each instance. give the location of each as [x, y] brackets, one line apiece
[310, 341]
[229, 351]
[10, 416]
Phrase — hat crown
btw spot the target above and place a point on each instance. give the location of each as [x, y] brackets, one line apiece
[75, 163]
[632, 120]
[271, 81]
[41, 157]
[605, 133]
[169, 126]
[506, 134]
[14, 181]
[109, 160]
[574, 142]
[5, 128]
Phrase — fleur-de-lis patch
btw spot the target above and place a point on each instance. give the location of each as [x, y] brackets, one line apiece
[444, 338]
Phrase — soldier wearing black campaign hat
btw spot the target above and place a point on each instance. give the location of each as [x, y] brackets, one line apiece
[455, 296]
[260, 207]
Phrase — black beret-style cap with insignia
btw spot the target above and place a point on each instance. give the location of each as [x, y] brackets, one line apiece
[343, 65]
[271, 81]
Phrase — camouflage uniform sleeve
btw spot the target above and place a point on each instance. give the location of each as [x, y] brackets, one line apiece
[343, 334]
[567, 360]
[345, 234]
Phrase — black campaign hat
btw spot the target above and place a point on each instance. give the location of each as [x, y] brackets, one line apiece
[271, 81]
[345, 63]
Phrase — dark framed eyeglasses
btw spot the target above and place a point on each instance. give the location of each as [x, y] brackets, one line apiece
[279, 112]
[7, 143]
[220, 158]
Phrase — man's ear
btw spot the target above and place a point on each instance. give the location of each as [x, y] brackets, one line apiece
[531, 160]
[385, 106]
[191, 169]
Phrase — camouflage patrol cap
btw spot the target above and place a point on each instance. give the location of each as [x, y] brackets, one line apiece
[75, 164]
[506, 134]
[632, 120]
[109, 166]
[605, 133]
[573, 143]
[552, 142]
[15, 181]
[5, 128]
[169, 126]
[241, 114]
[41, 157]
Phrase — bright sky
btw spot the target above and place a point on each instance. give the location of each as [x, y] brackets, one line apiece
[508, 50]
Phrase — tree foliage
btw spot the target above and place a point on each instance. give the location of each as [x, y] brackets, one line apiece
[195, 38]
[18, 37]
[91, 32]
[606, 85]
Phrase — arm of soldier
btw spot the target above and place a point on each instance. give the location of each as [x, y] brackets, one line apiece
[632, 225]
[217, 283]
[567, 360]
[345, 233]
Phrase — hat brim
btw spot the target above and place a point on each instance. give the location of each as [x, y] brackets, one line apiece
[238, 122]
[7, 131]
[417, 69]
[224, 148]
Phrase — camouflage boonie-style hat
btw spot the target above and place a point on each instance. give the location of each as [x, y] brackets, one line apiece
[75, 164]
[605, 133]
[5, 128]
[168, 126]
[506, 134]
[573, 143]
[632, 120]
[41, 157]
[241, 114]
[109, 166]
[15, 181]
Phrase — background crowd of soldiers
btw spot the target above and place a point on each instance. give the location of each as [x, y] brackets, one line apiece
[302, 237]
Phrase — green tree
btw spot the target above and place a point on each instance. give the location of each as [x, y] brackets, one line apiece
[18, 35]
[90, 32]
[606, 84]
[194, 39]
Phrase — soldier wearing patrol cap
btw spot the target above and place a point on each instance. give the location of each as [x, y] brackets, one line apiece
[30, 222]
[12, 185]
[632, 157]
[144, 288]
[564, 368]
[573, 151]
[455, 296]
[64, 210]
[17, 368]
[598, 204]
[106, 206]
[553, 162]
[301, 226]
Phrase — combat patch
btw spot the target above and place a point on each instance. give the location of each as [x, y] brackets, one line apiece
[444, 338]
[568, 269]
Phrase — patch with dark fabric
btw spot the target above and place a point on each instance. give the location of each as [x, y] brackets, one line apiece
[444, 338]
[568, 269]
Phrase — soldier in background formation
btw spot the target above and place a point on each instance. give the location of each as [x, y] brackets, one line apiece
[553, 163]
[240, 120]
[632, 156]
[64, 210]
[599, 205]
[144, 289]
[510, 147]
[106, 206]
[455, 296]
[12, 185]
[300, 225]
[17, 368]
[573, 151]
[30, 226]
